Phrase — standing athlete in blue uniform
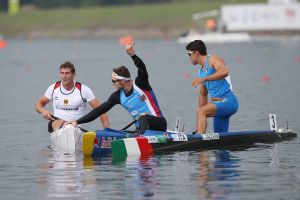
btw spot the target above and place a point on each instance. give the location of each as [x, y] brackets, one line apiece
[137, 97]
[214, 80]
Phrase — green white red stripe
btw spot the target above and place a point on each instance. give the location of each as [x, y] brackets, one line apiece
[131, 146]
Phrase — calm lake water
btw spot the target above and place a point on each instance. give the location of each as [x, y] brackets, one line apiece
[265, 76]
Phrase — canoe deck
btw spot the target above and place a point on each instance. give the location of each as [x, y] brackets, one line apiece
[196, 142]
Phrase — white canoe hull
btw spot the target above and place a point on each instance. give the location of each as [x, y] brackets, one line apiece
[67, 140]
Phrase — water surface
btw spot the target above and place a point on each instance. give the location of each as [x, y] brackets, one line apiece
[265, 76]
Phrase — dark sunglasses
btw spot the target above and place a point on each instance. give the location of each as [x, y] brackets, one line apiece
[191, 52]
[114, 81]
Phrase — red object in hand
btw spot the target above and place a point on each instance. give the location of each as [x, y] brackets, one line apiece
[126, 41]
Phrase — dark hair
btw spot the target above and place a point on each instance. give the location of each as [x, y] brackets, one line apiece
[68, 65]
[197, 45]
[122, 71]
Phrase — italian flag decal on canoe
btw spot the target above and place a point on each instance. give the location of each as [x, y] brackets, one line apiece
[135, 146]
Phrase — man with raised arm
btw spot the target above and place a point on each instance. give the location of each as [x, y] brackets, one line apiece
[137, 97]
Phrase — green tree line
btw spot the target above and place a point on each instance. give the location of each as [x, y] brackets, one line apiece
[77, 3]
[45, 4]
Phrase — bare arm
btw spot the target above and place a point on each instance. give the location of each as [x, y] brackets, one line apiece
[221, 71]
[40, 108]
[203, 96]
[104, 117]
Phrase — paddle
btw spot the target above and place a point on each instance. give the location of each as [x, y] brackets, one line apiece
[130, 124]
[84, 130]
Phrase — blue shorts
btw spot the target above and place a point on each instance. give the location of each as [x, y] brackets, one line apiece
[225, 108]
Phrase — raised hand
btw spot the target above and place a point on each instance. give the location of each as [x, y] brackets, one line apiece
[130, 49]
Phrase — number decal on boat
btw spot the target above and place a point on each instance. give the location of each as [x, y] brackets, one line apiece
[210, 136]
[179, 137]
[152, 139]
[273, 122]
[156, 139]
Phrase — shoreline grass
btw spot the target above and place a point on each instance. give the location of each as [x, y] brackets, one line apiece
[155, 19]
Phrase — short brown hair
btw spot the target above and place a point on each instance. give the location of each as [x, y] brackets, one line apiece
[197, 45]
[122, 71]
[68, 65]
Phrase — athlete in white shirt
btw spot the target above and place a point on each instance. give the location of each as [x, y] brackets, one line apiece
[69, 100]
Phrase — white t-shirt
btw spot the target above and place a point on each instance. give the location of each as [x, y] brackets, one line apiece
[69, 105]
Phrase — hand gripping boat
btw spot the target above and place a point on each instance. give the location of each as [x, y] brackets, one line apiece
[122, 143]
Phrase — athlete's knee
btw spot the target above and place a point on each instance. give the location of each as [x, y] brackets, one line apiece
[57, 124]
[58, 121]
[143, 123]
[143, 119]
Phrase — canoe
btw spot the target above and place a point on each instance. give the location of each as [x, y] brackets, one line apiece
[73, 140]
[121, 143]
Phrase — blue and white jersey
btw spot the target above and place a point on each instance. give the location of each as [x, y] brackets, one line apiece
[140, 102]
[216, 89]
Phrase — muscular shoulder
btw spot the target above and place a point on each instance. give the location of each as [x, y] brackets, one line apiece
[216, 60]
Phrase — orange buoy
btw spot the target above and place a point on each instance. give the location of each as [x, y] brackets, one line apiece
[238, 59]
[211, 24]
[3, 44]
[186, 75]
[27, 67]
[265, 78]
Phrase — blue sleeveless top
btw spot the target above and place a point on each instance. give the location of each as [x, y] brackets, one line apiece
[216, 89]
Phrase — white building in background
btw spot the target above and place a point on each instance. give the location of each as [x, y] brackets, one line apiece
[277, 15]
[282, 1]
[236, 21]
